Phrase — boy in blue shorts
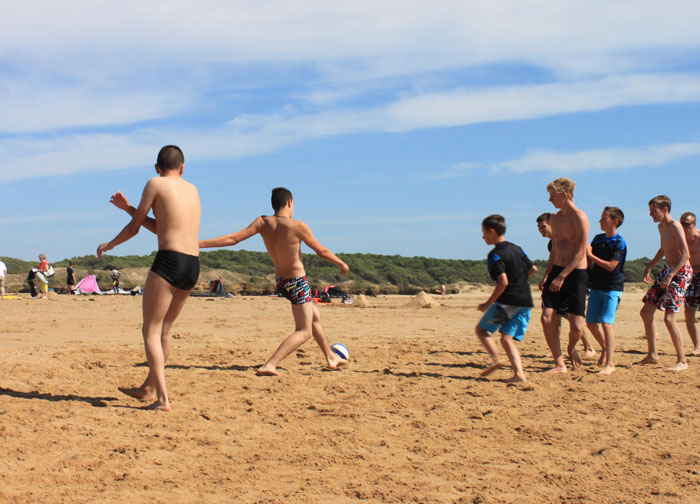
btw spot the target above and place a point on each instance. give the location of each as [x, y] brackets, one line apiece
[508, 307]
[607, 252]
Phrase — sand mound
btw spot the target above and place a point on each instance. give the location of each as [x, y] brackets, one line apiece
[421, 300]
[361, 301]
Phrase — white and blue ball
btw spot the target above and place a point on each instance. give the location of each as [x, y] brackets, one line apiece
[341, 350]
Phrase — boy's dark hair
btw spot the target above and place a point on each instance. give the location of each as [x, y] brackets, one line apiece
[170, 157]
[280, 197]
[545, 217]
[685, 215]
[495, 222]
[661, 201]
[615, 213]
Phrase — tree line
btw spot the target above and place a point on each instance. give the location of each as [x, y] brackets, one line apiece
[369, 273]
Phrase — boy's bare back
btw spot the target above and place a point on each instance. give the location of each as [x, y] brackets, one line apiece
[177, 210]
[283, 237]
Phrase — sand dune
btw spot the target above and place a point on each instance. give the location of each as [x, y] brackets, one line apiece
[409, 420]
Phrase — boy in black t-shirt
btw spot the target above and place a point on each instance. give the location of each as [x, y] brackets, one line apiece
[607, 252]
[508, 307]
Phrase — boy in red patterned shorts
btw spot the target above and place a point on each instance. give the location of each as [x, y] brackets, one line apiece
[669, 288]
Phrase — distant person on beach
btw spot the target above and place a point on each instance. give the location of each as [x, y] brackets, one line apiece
[175, 270]
[3, 274]
[42, 274]
[692, 295]
[283, 237]
[668, 291]
[508, 308]
[70, 277]
[545, 228]
[115, 274]
[565, 280]
[607, 252]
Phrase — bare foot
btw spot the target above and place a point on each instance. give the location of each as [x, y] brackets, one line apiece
[336, 362]
[649, 359]
[588, 354]
[493, 367]
[602, 358]
[516, 379]
[575, 359]
[140, 393]
[695, 352]
[558, 369]
[159, 406]
[267, 371]
[607, 370]
[679, 366]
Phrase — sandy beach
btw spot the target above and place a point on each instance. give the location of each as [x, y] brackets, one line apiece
[409, 420]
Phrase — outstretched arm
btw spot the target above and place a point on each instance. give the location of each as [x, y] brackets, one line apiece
[132, 228]
[119, 200]
[233, 238]
[323, 252]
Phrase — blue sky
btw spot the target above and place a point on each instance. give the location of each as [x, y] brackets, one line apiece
[397, 125]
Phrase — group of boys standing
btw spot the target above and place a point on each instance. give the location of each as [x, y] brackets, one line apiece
[568, 279]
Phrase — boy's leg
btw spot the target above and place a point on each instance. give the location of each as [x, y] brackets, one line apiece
[647, 314]
[147, 391]
[609, 349]
[600, 338]
[333, 360]
[158, 297]
[675, 332]
[303, 321]
[550, 324]
[514, 357]
[692, 329]
[588, 348]
[492, 349]
[576, 325]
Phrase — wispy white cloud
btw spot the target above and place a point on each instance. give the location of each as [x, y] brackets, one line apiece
[25, 157]
[614, 158]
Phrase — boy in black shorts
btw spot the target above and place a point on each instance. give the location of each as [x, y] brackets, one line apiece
[508, 307]
[564, 283]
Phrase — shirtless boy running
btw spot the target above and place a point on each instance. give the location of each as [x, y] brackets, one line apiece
[692, 295]
[670, 285]
[283, 237]
[175, 270]
[564, 283]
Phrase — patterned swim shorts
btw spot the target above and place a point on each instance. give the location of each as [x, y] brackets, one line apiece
[296, 289]
[692, 295]
[669, 299]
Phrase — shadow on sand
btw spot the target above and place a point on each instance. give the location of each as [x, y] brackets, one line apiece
[98, 402]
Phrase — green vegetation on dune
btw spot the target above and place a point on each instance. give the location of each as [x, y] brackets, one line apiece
[252, 272]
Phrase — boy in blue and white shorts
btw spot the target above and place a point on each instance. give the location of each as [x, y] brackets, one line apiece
[607, 252]
[508, 307]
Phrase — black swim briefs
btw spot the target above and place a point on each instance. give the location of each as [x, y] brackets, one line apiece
[178, 269]
[572, 296]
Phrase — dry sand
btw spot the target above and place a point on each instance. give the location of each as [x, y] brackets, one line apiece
[409, 420]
